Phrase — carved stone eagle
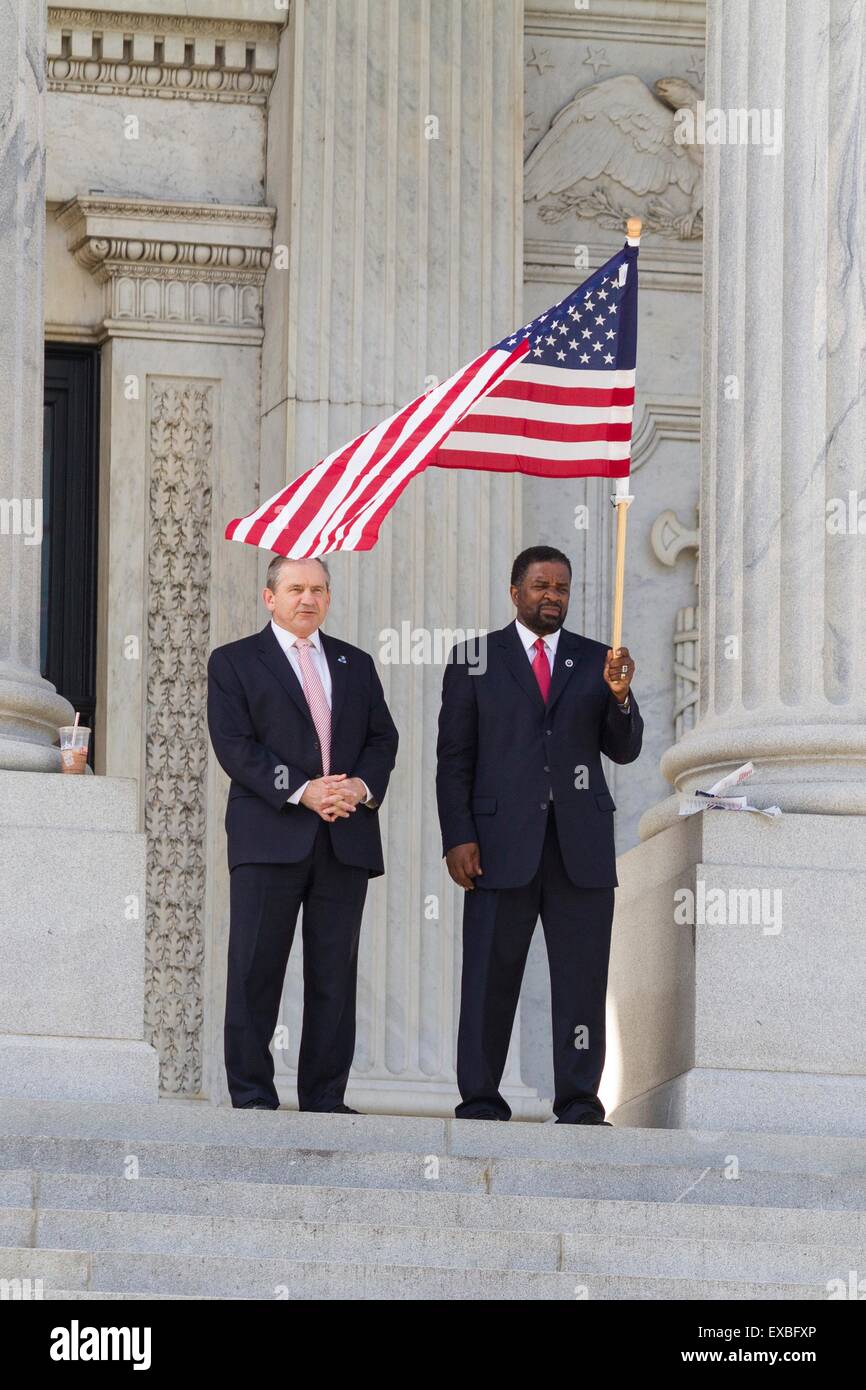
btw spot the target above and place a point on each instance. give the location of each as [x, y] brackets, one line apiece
[611, 154]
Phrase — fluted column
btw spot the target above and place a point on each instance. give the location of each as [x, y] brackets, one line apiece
[783, 570]
[30, 708]
[394, 163]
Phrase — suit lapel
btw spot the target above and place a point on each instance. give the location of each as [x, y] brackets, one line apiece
[519, 665]
[272, 654]
[568, 654]
[339, 676]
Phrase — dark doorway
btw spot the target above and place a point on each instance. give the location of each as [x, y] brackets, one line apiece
[70, 502]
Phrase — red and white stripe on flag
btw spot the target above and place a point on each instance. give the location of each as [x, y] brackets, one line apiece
[554, 400]
[538, 420]
[339, 504]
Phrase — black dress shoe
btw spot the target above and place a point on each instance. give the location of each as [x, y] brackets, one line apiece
[258, 1105]
[482, 1115]
[590, 1119]
[342, 1110]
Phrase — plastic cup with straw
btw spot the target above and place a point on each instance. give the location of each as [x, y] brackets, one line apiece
[74, 743]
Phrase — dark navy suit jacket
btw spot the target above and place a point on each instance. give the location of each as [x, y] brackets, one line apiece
[501, 751]
[265, 739]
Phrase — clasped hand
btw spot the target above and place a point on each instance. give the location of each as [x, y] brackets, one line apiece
[335, 796]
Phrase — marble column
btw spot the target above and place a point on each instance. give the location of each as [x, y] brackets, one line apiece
[740, 1003]
[71, 858]
[30, 708]
[394, 163]
[783, 559]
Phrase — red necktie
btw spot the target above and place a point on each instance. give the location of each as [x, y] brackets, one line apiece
[541, 667]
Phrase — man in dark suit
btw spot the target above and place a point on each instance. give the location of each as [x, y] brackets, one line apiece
[527, 829]
[299, 722]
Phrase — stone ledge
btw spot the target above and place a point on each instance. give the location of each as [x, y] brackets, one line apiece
[771, 1103]
[117, 1070]
[242, 18]
[197, 1122]
[58, 802]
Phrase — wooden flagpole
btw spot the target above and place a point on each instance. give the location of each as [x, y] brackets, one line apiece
[622, 500]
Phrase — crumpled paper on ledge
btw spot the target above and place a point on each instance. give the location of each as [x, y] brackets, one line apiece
[716, 800]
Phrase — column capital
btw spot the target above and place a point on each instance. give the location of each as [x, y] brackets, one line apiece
[173, 269]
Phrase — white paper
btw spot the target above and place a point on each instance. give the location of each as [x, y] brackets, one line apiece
[714, 798]
[732, 779]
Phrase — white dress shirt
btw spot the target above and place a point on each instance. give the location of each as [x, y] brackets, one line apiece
[288, 642]
[529, 639]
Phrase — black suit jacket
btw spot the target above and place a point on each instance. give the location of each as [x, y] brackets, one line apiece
[264, 737]
[500, 752]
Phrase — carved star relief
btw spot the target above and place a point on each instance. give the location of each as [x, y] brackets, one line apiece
[697, 66]
[596, 58]
[537, 61]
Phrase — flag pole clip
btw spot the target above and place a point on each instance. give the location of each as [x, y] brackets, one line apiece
[622, 493]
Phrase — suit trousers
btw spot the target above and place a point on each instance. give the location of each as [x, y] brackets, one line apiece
[497, 930]
[265, 901]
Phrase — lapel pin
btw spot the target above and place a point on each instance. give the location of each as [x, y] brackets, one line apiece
[342, 659]
[569, 661]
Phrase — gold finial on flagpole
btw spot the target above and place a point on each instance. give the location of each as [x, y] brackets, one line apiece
[633, 228]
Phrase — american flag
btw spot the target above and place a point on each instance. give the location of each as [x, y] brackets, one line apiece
[554, 399]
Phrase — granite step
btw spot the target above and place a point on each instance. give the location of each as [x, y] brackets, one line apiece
[198, 1123]
[453, 1247]
[183, 1199]
[572, 1178]
[145, 1275]
[46, 1191]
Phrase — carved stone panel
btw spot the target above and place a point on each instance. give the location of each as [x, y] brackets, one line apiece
[603, 86]
[181, 430]
[611, 153]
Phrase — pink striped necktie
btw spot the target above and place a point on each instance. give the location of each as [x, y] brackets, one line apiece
[316, 699]
[541, 667]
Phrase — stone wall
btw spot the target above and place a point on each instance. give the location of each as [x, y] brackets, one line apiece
[159, 244]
